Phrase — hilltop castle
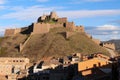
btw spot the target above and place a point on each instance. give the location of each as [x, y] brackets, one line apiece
[44, 24]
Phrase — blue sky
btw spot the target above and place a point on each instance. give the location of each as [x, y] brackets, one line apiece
[101, 18]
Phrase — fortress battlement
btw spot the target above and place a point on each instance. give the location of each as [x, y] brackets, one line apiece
[45, 23]
[109, 45]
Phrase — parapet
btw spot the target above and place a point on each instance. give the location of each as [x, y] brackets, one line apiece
[62, 20]
[79, 28]
[70, 26]
[9, 32]
[12, 32]
[108, 45]
[69, 34]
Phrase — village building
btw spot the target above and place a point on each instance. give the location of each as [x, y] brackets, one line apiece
[12, 66]
[99, 66]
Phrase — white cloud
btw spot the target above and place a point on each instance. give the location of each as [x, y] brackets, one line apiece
[108, 27]
[115, 37]
[2, 1]
[2, 29]
[105, 32]
[29, 13]
[34, 12]
[43, 0]
[89, 13]
[2, 7]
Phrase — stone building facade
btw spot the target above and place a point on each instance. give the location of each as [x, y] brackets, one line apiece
[91, 63]
[10, 66]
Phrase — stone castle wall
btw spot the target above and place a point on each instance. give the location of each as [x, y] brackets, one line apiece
[79, 28]
[40, 28]
[56, 25]
[62, 20]
[69, 34]
[17, 30]
[22, 45]
[11, 32]
[70, 26]
[109, 45]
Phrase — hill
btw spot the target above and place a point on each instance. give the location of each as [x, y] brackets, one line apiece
[50, 36]
[51, 44]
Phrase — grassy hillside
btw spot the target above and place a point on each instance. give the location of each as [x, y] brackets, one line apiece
[9, 45]
[52, 44]
[55, 44]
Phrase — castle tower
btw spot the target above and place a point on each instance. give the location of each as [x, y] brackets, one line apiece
[53, 15]
[42, 18]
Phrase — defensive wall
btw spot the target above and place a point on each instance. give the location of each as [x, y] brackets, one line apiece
[39, 28]
[68, 34]
[62, 20]
[109, 45]
[56, 25]
[22, 45]
[42, 27]
[70, 26]
[11, 32]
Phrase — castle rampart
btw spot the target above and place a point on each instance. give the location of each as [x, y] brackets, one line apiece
[109, 45]
[40, 28]
[45, 23]
[22, 45]
[79, 28]
[69, 34]
[11, 32]
[70, 26]
[62, 20]
[56, 25]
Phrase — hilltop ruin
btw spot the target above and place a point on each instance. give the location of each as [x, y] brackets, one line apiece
[44, 24]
